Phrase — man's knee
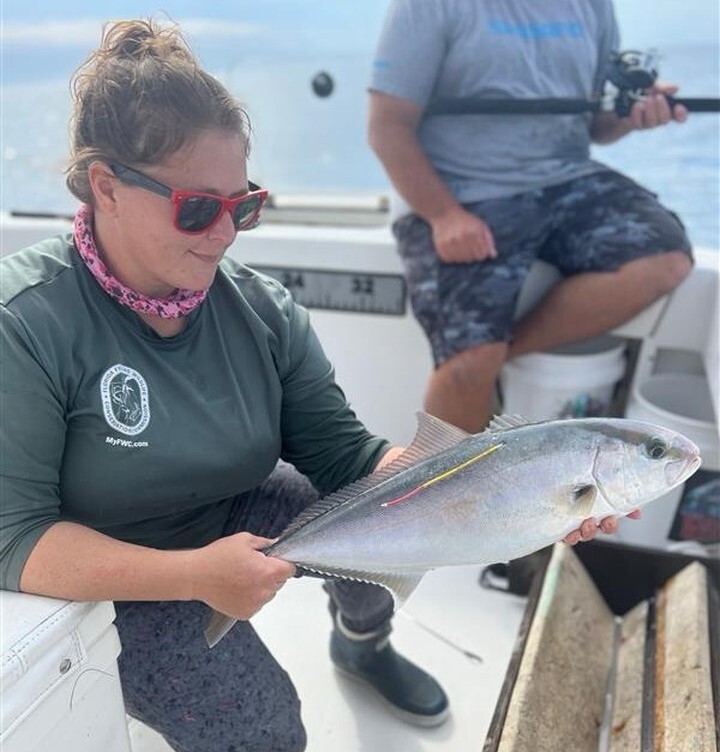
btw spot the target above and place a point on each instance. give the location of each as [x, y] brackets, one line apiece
[661, 273]
[475, 364]
[675, 266]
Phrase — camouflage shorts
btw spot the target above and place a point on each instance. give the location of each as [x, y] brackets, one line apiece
[593, 223]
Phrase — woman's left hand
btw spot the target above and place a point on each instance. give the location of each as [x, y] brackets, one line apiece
[589, 528]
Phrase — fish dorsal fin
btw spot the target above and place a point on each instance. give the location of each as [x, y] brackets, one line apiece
[433, 436]
[506, 422]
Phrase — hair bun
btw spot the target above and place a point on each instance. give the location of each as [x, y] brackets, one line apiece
[143, 38]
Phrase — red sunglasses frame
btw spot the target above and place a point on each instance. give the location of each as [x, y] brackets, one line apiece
[133, 177]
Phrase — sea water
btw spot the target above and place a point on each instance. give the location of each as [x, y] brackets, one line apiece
[303, 143]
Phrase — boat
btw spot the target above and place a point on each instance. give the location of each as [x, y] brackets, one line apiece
[335, 252]
[346, 271]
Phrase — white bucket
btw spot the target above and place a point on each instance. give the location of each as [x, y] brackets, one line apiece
[681, 402]
[571, 381]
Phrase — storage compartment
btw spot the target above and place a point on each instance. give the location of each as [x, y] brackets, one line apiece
[618, 650]
[60, 684]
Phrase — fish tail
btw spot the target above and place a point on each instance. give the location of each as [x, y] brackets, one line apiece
[217, 627]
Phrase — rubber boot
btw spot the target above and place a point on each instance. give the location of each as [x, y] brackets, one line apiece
[406, 689]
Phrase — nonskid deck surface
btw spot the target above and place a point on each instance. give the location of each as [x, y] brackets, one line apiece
[449, 613]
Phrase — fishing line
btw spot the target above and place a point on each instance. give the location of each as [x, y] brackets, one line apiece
[469, 654]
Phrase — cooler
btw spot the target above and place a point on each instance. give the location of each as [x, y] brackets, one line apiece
[59, 676]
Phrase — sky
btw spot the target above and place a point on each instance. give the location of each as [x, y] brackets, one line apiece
[50, 37]
[47, 38]
[268, 51]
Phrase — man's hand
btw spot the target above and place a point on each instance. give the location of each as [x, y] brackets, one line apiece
[460, 237]
[589, 528]
[655, 110]
[652, 111]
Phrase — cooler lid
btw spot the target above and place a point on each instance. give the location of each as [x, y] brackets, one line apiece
[44, 641]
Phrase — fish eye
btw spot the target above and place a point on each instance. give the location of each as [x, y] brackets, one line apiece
[656, 448]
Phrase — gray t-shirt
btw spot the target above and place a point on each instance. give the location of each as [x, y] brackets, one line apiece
[432, 49]
[148, 439]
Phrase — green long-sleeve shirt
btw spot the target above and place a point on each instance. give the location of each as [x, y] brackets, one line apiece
[147, 439]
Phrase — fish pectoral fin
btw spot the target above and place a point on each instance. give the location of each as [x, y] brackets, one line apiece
[583, 498]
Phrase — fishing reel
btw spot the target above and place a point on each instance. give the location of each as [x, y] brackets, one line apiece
[632, 73]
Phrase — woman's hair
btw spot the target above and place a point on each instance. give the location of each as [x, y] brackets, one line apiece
[140, 97]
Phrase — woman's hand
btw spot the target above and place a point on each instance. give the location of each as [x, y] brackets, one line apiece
[234, 577]
[589, 528]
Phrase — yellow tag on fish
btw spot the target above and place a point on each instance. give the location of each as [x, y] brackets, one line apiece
[445, 475]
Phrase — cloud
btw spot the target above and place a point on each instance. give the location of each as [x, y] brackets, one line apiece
[85, 32]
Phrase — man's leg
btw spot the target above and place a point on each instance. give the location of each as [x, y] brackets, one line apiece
[466, 310]
[619, 250]
[589, 304]
[461, 389]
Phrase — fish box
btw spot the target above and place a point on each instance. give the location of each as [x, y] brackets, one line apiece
[618, 650]
[59, 677]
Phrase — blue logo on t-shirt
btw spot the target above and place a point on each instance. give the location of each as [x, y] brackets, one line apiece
[545, 30]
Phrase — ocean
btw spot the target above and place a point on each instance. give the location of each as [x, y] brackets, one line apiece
[303, 143]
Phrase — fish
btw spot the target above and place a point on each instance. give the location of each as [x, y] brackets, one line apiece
[454, 498]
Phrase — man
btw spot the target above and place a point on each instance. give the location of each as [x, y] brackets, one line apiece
[482, 196]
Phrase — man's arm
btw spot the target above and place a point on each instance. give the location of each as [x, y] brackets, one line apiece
[459, 236]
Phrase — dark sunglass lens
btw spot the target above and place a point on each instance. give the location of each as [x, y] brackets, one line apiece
[197, 213]
[245, 211]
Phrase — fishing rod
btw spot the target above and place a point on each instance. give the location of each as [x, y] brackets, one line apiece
[631, 73]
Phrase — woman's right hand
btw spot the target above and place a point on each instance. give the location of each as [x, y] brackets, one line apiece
[234, 577]
[461, 237]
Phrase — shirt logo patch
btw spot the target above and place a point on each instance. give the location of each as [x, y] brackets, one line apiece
[125, 402]
[548, 30]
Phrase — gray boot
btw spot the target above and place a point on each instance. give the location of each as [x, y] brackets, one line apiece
[409, 692]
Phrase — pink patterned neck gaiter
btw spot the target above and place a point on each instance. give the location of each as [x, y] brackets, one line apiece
[180, 303]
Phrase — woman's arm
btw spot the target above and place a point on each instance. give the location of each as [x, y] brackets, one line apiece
[77, 563]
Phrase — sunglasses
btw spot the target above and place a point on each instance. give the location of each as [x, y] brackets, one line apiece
[197, 212]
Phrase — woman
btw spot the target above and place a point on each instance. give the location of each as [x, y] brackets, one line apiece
[150, 387]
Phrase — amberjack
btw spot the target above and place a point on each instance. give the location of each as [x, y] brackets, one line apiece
[454, 498]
